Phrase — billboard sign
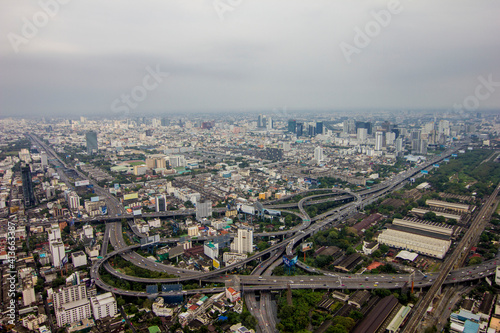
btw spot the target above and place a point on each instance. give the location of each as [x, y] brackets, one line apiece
[272, 212]
[117, 186]
[131, 196]
[104, 210]
[289, 261]
[247, 209]
[82, 183]
[306, 247]
[137, 212]
[150, 240]
[94, 199]
[216, 264]
[64, 260]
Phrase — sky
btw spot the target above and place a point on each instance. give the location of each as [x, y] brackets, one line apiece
[115, 57]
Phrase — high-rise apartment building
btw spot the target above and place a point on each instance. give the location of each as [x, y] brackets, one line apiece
[203, 209]
[103, 305]
[161, 203]
[292, 125]
[243, 243]
[57, 251]
[71, 304]
[318, 154]
[28, 191]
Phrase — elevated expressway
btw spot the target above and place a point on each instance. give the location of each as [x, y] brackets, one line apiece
[305, 230]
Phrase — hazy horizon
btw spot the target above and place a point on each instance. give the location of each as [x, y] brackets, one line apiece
[206, 56]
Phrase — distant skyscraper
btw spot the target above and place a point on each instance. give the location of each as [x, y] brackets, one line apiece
[319, 127]
[364, 124]
[269, 123]
[44, 160]
[362, 134]
[261, 121]
[311, 130]
[161, 204]
[292, 126]
[318, 154]
[91, 142]
[379, 140]
[203, 209]
[28, 192]
[399, 144]
[300, 129]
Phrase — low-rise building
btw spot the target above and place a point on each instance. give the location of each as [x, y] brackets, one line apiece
[104, 305]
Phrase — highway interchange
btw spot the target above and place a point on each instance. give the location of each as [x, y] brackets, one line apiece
[261, 279]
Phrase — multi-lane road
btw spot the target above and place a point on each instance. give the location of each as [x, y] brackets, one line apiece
[265, 282]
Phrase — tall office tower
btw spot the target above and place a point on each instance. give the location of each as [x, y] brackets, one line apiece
[379, 140]
[92, 147]
[319, 127]
[44, 160]
[345, 127]
[300, 129]
[318, 154]
[292, 125]
[362, 134]
[161, 203]
[28, 191]
[423, 147]
[415, 134]
[415, 141]
[203, 209]
[364, 124]
[399, 144]
[311, 130]
[260, 121]
[165, 122]
[243, 243]
[269, 123]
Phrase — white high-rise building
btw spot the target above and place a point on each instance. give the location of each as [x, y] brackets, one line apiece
[71, 304]
[379, 140]
[243, 243]
[44, 160]
[203, 209]
[362, 134]
[318, 154]
[103, 305]
[57, 252]
[88, 231]
[399, 144]
[211, 250]
[54, 233]
[389, 138]
[69, 294]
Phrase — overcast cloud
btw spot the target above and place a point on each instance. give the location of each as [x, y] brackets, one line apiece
[264, 54]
